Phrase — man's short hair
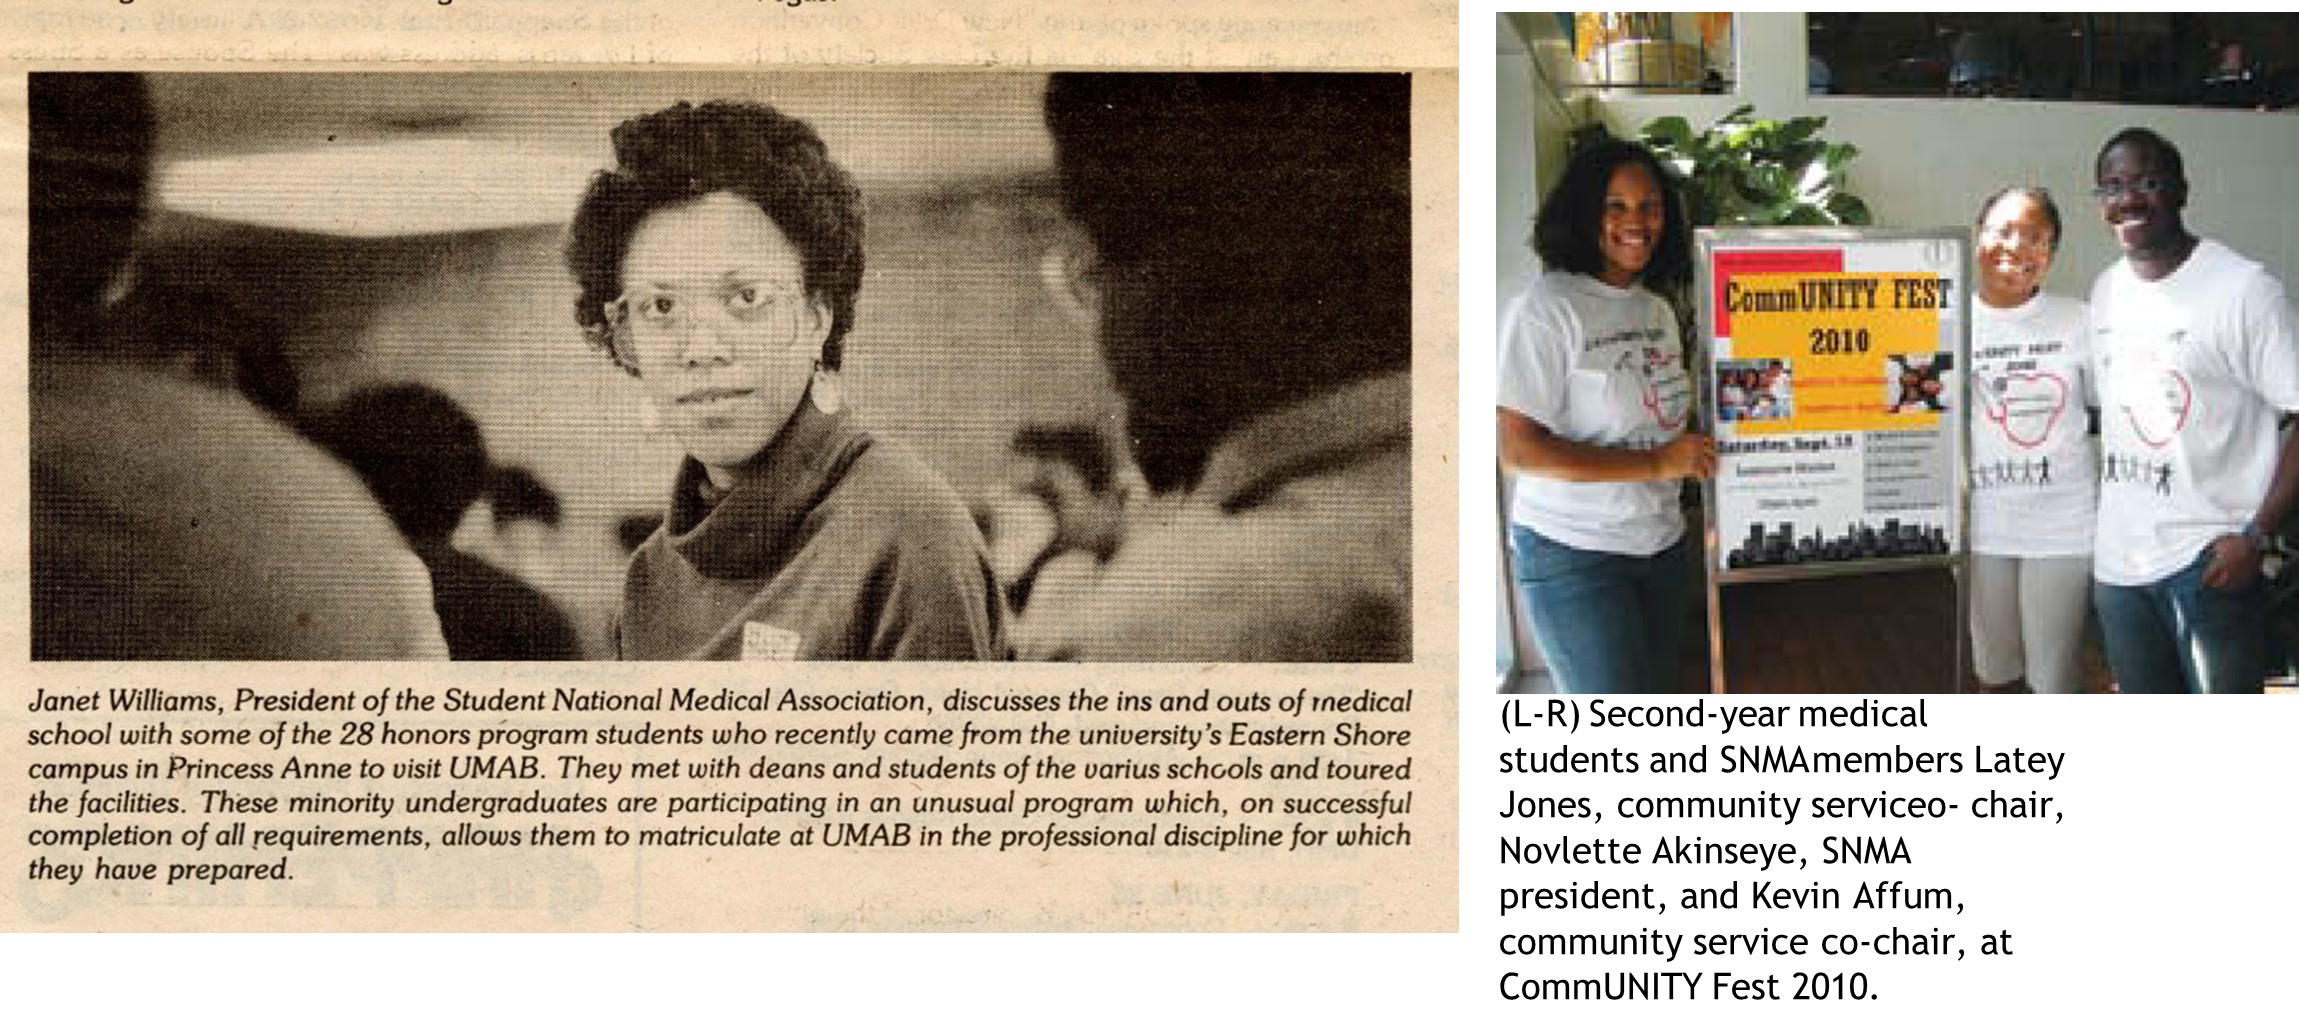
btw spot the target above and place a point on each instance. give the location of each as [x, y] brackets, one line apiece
[1290, 172]
[515, 492]
[1146, 157]
[91, 148]
[420, 453]
[1077, 446]
[1254, 239]
[2147, 139]
[219, 340]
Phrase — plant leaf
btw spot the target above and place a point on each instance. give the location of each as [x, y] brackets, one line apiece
[1770, 183]
[1744, 170]
[1801, 153]
[1797, 130]
[1672, 131]
[1848, 209]
[1804, 214]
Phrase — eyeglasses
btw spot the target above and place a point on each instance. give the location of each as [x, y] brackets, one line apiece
[2151, 186]
[652, 315]
[2016, 236]
[653, 312]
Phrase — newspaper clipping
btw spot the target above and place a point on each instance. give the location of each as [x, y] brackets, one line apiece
[1073, 444]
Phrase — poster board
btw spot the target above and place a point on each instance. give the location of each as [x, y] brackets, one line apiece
[1832, 373]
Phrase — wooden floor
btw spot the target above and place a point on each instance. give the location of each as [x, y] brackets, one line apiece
[1881, 633]
[1889, 633]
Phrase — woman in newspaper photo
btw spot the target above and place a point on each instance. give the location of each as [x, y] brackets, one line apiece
[718, 263]
[2034, 463]
[1595, 402]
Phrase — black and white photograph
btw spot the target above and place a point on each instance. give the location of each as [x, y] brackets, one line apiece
[836, 366]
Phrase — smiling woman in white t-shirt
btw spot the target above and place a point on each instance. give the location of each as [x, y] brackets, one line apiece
[1595, 400]
[2034, 464]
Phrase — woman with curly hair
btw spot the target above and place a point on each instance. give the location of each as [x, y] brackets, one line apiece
[718, 263]
[1595, 404]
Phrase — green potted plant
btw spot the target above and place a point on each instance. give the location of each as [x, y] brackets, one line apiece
[1744, 170]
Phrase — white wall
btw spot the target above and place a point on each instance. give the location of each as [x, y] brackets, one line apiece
[1928, 163]
[1513, 158]
[1533, 60]
[1513, 103]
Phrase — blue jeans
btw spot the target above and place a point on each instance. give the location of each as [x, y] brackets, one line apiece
[1605, 623]
[2177, 635]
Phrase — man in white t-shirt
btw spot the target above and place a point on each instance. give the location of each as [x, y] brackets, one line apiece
[2197, 358]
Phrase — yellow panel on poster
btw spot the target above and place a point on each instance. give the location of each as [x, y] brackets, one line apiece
[1857, 351]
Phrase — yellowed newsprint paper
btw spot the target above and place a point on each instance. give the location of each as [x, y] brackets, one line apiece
[1028, 491]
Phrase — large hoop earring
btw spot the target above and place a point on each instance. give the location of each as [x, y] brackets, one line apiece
[822, 392]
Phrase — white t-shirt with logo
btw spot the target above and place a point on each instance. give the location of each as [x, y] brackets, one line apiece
[2193, 370]
[1598, 365]
[2034, 469]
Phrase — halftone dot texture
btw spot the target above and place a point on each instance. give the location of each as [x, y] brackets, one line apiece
[408, 227]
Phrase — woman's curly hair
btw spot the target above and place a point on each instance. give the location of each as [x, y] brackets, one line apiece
[685, 152]
[1572, 217]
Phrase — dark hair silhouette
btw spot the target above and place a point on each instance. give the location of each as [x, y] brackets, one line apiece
[2147, 139]
[217, 339]
[515, 492]
[420, 453]
[90, 147]
[1254, 241]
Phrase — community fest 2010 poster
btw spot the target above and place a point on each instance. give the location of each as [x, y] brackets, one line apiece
[1834, 372]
